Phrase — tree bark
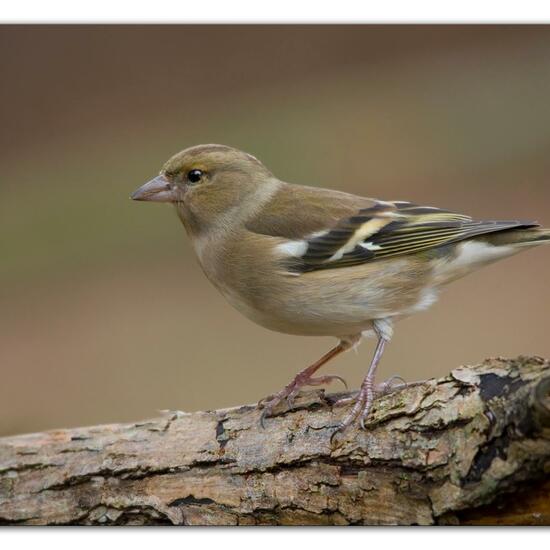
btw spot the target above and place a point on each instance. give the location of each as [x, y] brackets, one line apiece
[473, 447]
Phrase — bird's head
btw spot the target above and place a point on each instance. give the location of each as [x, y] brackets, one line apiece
[205, 181]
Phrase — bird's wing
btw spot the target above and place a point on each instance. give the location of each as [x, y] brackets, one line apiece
[385, 230]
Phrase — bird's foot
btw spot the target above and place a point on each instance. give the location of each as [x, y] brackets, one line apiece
[362, 405]
[290, 391]
[364, 399]
[388, 386]
[393, 383]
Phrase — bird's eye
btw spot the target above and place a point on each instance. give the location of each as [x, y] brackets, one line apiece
[194, 176]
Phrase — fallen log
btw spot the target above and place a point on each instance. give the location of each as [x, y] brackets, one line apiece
[472, 447]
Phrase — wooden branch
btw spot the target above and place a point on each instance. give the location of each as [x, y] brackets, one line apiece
[473, 447]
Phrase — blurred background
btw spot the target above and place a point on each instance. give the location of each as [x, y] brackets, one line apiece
[105, 313]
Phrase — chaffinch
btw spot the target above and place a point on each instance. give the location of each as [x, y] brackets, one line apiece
[311, 261]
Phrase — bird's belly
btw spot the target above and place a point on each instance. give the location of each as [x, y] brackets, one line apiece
[316, 320]
[328, 305]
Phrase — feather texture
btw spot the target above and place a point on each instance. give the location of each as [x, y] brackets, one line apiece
[392, 229]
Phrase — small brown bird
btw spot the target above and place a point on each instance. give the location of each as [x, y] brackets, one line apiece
[310, 261]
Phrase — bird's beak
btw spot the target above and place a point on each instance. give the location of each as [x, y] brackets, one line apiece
[158, 190]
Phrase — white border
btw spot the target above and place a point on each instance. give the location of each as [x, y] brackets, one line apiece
[279, 11]
[274, 538]
[282, 11]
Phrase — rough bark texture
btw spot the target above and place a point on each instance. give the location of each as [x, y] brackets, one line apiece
[473, 447]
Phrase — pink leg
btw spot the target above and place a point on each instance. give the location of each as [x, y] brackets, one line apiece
[304, 378]
[364, 399]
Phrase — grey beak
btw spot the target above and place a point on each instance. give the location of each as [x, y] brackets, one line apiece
[157, 190]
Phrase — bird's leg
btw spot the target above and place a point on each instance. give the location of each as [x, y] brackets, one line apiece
[363, 401]
[305, 378]
[368, 390]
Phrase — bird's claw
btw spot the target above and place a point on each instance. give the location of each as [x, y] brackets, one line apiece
[388, 385]
[336, 432]
[330, 378]
[289, 393]
[363, 403]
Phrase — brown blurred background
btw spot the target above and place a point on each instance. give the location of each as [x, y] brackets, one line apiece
[105, 314]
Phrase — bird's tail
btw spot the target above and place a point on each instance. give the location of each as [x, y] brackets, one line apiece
[486, 249]
[519, 238]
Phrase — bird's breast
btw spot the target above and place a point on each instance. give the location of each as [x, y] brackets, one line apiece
[332, 302]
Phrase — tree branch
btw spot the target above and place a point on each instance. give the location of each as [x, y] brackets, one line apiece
[451, 450]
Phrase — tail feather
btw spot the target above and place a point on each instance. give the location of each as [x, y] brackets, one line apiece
[519, 237]
[474, 253]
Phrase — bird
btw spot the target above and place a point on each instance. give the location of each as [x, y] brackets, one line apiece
[312, 261]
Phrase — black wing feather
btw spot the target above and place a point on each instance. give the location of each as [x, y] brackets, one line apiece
[392, 229]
